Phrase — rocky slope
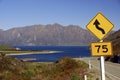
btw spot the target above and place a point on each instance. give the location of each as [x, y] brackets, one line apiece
[115, 39]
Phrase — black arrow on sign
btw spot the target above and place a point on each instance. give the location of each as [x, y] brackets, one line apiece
[96, 23]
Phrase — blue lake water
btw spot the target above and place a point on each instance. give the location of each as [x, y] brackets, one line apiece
[63, 51]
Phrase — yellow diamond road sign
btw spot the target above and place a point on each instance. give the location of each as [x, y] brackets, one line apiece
[100, 26]
[101, 49]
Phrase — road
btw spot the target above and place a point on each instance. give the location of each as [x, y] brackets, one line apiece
[112, 70]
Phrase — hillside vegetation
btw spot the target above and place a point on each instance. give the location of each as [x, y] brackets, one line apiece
[6, 48]
[13, 69]
[64, 69]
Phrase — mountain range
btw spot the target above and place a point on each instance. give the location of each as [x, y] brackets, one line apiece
[50, 35]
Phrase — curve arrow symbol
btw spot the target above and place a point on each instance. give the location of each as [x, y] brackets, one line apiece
[96, 23]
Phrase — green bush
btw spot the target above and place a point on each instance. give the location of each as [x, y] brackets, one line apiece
[28, 73]
[74, 77]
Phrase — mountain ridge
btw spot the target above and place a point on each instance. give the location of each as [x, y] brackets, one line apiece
[50, 34]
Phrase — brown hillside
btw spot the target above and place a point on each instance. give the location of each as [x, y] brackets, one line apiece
[115, 38]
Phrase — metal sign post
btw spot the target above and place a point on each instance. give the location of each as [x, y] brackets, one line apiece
[102, 66]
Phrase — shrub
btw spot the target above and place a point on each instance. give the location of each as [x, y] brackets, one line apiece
[74, 77]
[64, 68]
[2, 54]
[27, 73]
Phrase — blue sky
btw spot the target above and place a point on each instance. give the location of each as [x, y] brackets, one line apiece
[19, 13]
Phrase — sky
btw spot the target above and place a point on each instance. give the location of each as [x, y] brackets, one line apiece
[20, 13]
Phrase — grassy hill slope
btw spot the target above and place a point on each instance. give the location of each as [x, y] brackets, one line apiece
[64, 69]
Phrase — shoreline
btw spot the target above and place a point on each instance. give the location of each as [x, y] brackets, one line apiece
[27, 53]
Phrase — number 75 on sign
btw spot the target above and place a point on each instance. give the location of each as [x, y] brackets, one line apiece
[101, 49]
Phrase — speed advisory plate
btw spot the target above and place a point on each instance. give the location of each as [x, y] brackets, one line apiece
[101, 49]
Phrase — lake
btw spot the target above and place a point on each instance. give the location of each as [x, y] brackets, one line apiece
[59, 52]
